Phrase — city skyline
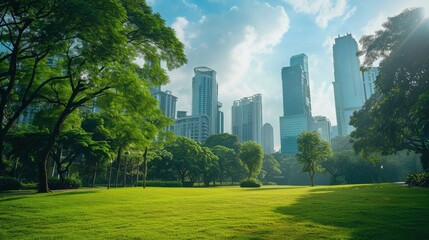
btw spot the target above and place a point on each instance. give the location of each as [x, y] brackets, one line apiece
[248, 42]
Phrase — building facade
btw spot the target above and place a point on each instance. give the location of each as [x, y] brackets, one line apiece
[247, 119]
[166, 103]
[348, 85]
[368, 78]
[205, 96]
[322, 125]
[296, 103]
[267, 138]
[194, 127]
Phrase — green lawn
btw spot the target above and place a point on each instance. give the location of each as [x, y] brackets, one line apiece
[385, 211]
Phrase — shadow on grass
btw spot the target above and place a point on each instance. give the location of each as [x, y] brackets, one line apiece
[71, 192]
[367, 212]
[272, 188]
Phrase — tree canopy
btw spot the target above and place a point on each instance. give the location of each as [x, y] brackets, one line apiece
[396, 117]
[251, 154]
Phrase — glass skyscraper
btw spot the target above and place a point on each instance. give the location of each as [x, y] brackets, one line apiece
[296, 103]
[205, 97]
[247, 119]
[348, 85]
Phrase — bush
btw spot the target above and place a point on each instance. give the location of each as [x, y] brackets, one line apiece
[8, 183]
[29, 186]
[417, 179]
[160, 184]
[188, 184]
[250, 183]
[67, 183]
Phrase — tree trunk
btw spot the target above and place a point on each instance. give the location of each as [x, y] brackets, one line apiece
[43, 176]
[118, 166]
[311, 178]
[125, 172]
[95, 174]
[15, 171]
[424, 158]
[145, 167]
[2, 168]
[110, 174]
[138, 171]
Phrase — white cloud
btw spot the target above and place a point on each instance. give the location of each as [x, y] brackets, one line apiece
[179, 27]
[189, 4]
[234, 8]
[374, 24]
[236, 45]
[323, 10]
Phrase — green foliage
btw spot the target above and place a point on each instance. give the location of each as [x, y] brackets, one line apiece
[29, 186]
[251, 155]
[67, 183]
[395, 118]
[252, 182]
[8, 183]
[418, 179]
[160, 183]
[230, 165]
[224, 139]
[187, 184]
[208, 165]
[270, 168]
[312, 151]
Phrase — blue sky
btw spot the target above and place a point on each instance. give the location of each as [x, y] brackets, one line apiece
[248, 42]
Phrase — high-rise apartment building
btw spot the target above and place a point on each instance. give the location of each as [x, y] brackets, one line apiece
[194, 127]
[322, 125]
[369, 77]
[348, 85]
[247, 118]
[267, 139]
[205, 96]
[166, 103]
[296, 103]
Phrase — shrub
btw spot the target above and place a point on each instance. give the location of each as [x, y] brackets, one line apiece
[160, 184]
[67, 183]
[188, 184]
[250, 183]
[29, 186]
[417, 179]
[8, 183]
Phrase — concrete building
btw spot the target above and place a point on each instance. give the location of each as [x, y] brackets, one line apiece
[205, 96]
[267, 138]
[247, 119]
[348, 85]
[322, 125]
[194, 127]
[166, 103]
[368, 78]
[296, 103]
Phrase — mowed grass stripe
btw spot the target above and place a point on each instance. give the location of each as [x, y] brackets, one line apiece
[385, 211]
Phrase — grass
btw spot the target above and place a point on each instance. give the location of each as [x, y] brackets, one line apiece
[384, 211]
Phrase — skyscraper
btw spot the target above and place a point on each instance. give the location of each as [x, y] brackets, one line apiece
[267, 138]
[166, 102]
[296, 103]
[205, 96]
[247, 118]
[194, 127]
[369, 77]
[348, 85]
[322, 125]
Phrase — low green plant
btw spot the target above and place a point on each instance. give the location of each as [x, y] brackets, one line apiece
[29, 186]
[417, 179]
[67, 183]
[9, 183]
[250, 183]
[160, 184]
[188, 184]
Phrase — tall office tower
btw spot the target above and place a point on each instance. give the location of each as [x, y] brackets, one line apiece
[322, 125]
[194, 127]
[166, 103]
[220, 116]
[267, 138]
[247, 118]
[348, 85]
[296, 103]
[205, 96]
[369, 77]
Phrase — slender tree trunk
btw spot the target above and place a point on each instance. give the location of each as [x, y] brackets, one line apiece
[138, 171]
[95, 174]
[311, 178]
[110, 174]
[145, 167]
[15, 171]
[424, 158]
[125, 172]
[2, 168]
[118, 166]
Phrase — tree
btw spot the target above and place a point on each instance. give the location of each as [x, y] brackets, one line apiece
[185, 153]
[396, 117]
[223, 139]
[312, 151]
[251, 155]
[270, 167]
[229, 163]
[209, 165]
[337, 165]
